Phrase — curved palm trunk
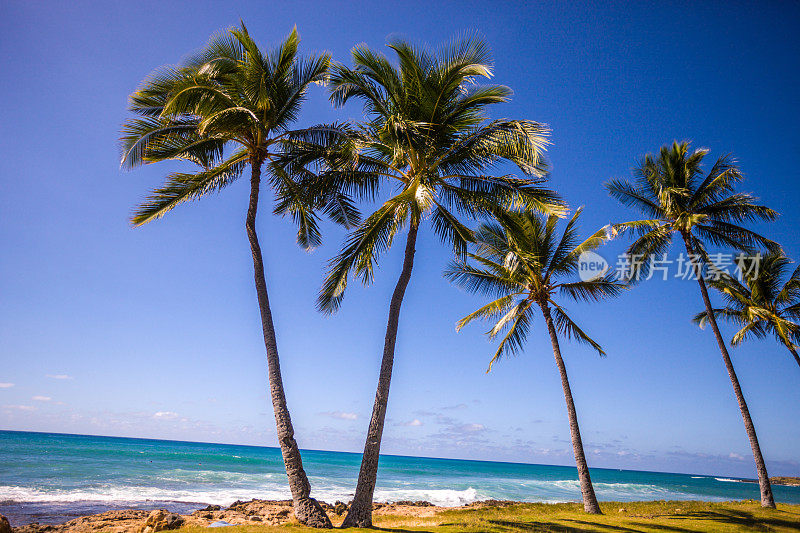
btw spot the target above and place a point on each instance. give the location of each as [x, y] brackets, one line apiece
[360, 513]
[796, 357]
[307, 510]
[590, 504]
[763, 478]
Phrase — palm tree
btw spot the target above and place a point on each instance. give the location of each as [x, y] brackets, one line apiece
[758, 303]
[232, 97]
[679, 199]
[521, 264]
[426, 136]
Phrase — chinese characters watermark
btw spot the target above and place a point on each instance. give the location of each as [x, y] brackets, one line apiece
[641, 267]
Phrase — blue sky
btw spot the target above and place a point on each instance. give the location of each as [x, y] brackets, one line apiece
[154, 332]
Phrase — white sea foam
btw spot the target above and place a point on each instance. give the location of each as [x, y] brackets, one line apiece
[728, 480]
[442, 497]
[445, 498]
[215, 476]
[262, 487]
[560, 491]
[137, 494]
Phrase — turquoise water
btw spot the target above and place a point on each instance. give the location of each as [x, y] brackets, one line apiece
[51, 477]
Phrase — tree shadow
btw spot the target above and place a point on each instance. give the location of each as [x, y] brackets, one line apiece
[541, 525]
[740, 519]
[401, 530]
[662, 527]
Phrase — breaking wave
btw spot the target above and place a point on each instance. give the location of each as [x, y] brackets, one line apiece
[552, 491]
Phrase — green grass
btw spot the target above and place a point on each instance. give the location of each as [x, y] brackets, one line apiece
[662, 517]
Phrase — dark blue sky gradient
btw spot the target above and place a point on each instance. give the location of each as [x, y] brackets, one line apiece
[157, 331]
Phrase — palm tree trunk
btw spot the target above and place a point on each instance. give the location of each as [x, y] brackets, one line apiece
[590, 504]
[796, 357]
[763, 478]
[307, 510]
[360, 512]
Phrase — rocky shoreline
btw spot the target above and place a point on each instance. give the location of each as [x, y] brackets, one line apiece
[269, 512]
[785, 480]
[778, 480]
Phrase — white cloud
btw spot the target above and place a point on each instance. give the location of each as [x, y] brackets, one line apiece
[41, 398]
[340, 415]
[58, 376]
[6, 385]
[735, 456]
[473, 427]
[412, 423]
[166, 415]
[20, 407]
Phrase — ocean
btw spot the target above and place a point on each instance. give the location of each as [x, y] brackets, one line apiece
[51, 478]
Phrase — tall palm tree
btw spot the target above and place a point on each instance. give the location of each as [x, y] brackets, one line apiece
[427, 137]
[521, 263]
[679, 199]
[226, 107]
[759, 303]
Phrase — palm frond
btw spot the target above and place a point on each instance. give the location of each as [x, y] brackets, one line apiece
[491, 282]
[595, 290]
[181, 187]
[488, 311]
[514, 339]
[450, 230]
[362, 248]
[570, 330]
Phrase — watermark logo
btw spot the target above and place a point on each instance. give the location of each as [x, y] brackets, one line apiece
[591, 266]
[712, 267]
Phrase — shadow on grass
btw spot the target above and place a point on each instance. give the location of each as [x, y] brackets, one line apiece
[739, 518]
[541, 525]
[661, 527]
[685, 522]
[584, 524]
[399, 530]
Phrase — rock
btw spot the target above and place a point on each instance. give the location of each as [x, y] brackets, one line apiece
[211, 508]
[162, 520]
[340, 508]
[622, 510]
[240, 504]
[490, 503]
[121, 521]
[5, 527]
[253, 512]
[309, 512]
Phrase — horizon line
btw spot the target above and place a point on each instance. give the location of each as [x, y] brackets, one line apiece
[737, 478]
